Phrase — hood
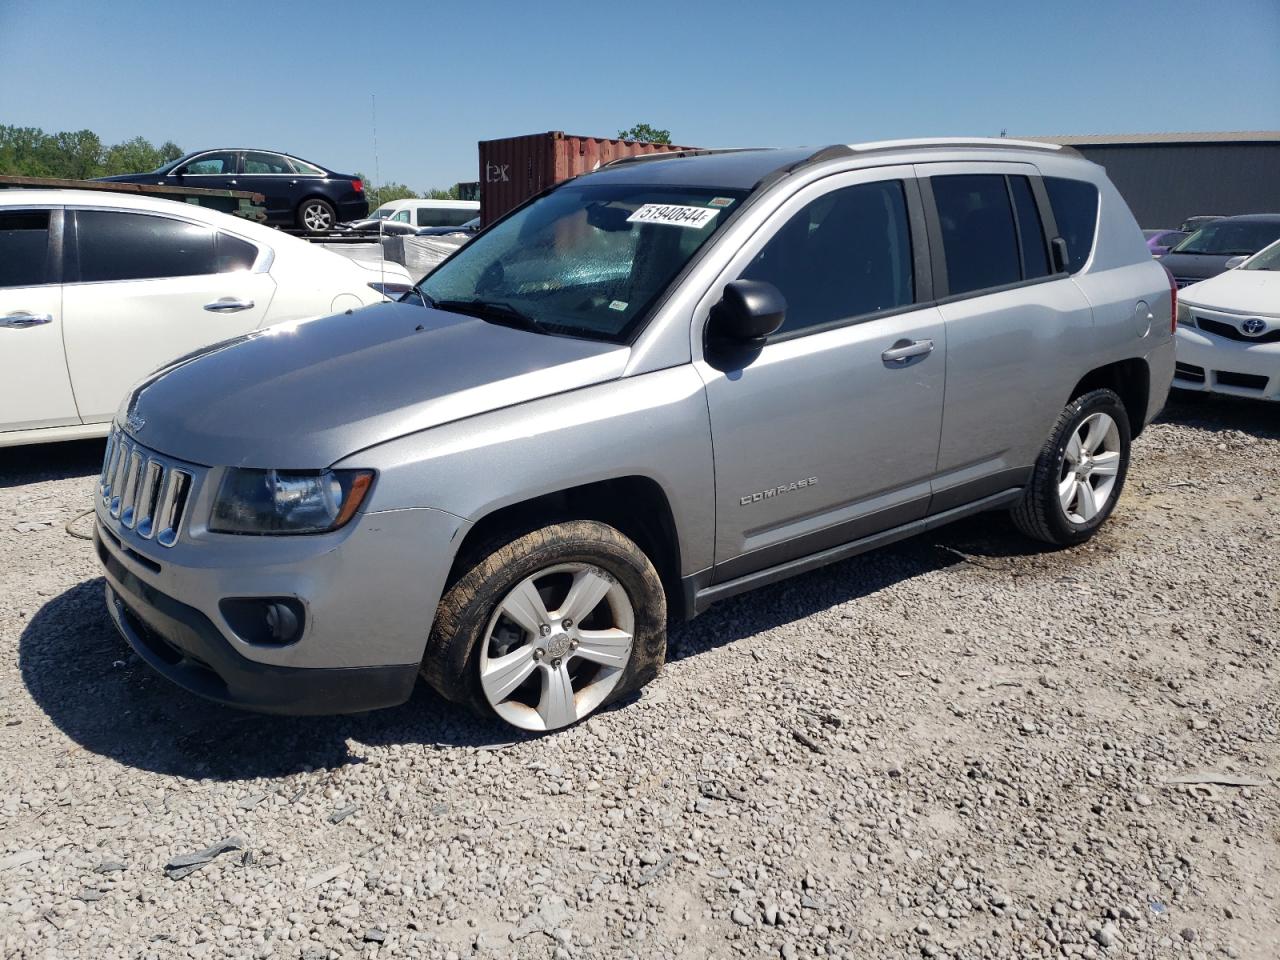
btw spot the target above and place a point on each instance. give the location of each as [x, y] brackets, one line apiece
[304, 395]
[1194, 266]
[126, 178]
[1238, 291]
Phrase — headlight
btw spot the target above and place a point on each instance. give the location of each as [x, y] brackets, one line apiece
[279, 501]
[1185, 319]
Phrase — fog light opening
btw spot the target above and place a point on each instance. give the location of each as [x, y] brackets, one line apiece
[265, 621]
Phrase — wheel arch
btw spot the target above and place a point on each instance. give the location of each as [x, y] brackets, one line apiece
[635, 505]
[1130, 379]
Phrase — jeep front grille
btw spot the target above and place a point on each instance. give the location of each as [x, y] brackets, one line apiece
[144, 491]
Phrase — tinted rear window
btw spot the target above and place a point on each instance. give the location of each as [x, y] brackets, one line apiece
[1075, 208]
[978, 235]
[1035, 258]
[134, 246]
[24, 248]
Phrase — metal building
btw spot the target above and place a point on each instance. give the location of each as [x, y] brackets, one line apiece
[1167, 177]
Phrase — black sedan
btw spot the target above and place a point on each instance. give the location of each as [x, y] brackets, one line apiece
[298, 193]
[1209, 251]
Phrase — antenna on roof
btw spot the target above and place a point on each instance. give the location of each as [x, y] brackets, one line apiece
[377, 176]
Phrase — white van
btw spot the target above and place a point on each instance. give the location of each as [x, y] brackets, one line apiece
[428, 213]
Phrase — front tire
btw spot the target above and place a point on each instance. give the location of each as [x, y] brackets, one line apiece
[316, 215]
[1080, 472]
[548, 627]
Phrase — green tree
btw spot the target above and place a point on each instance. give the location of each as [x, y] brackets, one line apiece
[645, 134]
[435, 193]
[377, 194]
[78, 154]
[132, 156]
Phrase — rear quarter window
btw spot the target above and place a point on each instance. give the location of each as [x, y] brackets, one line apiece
[1075, 208]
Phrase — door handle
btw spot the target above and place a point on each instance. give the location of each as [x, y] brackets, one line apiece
[229, 305]
[21, 321]
[904, 351]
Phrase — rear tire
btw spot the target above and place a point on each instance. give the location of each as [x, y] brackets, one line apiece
[1080, 472]
[550, 664]
[316, 215]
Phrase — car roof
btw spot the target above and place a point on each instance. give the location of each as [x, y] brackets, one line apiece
[747, 168]
[1254, 218]
[425, 202]
[125, 200]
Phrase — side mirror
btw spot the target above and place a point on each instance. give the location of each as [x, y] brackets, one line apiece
[1235, 262]
[748, 312]
[1061, 258]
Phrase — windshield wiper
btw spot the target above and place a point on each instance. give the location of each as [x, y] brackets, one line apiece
[494, 311]
[426, 301]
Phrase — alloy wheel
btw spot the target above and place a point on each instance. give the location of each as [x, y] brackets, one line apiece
[316, 217]
[1090, 465]
[556, 646]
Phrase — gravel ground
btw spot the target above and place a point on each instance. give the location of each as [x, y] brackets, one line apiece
[955, 747]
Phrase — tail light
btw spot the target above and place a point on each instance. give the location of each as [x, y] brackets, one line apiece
[1173, 301]
[357, 186]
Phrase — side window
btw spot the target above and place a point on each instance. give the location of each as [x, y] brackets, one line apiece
[1075, 208]
[235, 254]
[1035, 256]
[210, 164]
[846, 254]
[401, 217]
[978, 236]
[135, 246]
[265, 163]
[301, 166]
[424, 217]
[24, 248]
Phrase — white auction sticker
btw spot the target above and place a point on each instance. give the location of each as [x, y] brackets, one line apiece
[673, 215]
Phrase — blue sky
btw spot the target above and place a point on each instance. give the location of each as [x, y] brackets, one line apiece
[299, 76]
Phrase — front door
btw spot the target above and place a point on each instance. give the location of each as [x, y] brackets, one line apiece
[35, 390]
[831, 432]
[149, 290]
[215, 170]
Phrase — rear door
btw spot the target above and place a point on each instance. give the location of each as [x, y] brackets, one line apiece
[1013, 324]
[830, 433]
[273, 176]
[35, 389]
[148, 289]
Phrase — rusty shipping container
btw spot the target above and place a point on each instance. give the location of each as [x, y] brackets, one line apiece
[515, 168]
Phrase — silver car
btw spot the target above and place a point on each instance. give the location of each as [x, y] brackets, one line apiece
[646, 390]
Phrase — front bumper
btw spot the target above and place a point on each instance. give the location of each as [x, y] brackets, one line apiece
[184, 646]
[364, 595]
[1217, 365]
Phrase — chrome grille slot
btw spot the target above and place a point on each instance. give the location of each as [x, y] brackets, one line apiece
[173, 502]
[105, 479]
[148, 497]
[117, 479]
[129, 496]
[144, 491]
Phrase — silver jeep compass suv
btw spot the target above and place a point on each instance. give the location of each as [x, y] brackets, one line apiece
[645, 390]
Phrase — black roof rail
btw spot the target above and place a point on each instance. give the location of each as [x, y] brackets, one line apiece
[671, 154]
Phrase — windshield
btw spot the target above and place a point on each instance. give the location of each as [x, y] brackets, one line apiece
[171, 164]
[381, 213]
[585, 261]
[1230, 238]
[1268, 259]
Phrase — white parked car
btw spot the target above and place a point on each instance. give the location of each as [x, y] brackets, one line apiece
[1229, 330]
[98, 289]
